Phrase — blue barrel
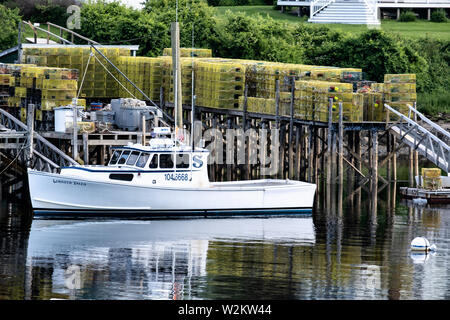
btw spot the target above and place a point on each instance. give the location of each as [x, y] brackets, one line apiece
[96, 106]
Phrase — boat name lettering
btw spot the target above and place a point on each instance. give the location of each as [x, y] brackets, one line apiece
[197, 161]
[176, 177]
[75, 183]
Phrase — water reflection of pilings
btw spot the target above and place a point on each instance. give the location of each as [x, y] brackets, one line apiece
[160, 270]
[14, 232]
[359, 199]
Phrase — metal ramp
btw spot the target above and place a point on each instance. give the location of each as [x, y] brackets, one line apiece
[41, 154]
[426, 137]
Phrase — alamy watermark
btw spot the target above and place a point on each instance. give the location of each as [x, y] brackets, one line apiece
[238, 147]
[73, 277]
[74, 20]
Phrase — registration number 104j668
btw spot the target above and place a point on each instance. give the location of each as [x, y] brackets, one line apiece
[176, 177]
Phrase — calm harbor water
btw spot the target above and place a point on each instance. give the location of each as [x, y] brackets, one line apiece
[361, 251]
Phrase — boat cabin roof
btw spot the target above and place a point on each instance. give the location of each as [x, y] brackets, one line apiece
[159, 147]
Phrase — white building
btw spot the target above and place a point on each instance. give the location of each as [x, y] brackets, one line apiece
[361, 11]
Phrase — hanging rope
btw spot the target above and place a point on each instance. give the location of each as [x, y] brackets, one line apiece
[84, 75]
[98, 60]
[17, 157]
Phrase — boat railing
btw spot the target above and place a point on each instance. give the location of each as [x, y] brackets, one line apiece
[373, 7]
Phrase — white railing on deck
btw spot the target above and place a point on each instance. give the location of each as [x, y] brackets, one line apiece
[373, 7]
[318, 5]
[414, 1]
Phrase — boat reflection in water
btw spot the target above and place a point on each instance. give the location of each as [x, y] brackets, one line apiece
[156, 259]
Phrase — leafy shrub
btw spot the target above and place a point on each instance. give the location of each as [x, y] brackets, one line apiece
[257, 37]
[9, 20]
[240, 2]
[43, 10]
[407, 16]
[438, 16]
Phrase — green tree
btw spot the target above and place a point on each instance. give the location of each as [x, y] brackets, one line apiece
[191, 14]
[262, 38]
[375, 51]
[379, 53]
[9, 20]
[115, 23]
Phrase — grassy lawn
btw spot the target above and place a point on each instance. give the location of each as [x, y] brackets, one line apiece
[417, 29]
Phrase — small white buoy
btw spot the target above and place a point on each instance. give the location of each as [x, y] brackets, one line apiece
[422, 244]
[420, 201]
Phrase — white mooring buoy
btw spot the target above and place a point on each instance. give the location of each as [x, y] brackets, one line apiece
[420, 201]
[422, 244]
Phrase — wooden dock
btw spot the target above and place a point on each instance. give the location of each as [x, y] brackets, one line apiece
[432, 196]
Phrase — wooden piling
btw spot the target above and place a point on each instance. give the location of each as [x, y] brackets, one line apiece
[330, 142]
[374, 159]
[411, 167]
[298, 153]
[85, 148]
[341, 146]
[30, 126]
[291, 132]
[394, 159]
[315, 163]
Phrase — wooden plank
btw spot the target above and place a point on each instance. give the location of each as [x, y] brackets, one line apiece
[7, 145]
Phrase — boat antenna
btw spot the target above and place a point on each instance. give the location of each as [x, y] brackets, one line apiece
[192, 90]
[192, 96]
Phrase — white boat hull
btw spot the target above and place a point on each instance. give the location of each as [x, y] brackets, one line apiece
[58, 194]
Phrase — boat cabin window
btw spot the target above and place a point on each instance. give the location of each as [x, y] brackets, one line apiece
[165, 161]
[133, 158]
[124, 156]
[154, 162]
[142, 161]
[182, 160]
[115, 157]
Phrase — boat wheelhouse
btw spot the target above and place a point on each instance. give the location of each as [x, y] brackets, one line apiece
[160, 164]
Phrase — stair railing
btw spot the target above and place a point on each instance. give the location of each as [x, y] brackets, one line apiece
[317, 5]
[49, 157]
[373, 7]
[423, 140]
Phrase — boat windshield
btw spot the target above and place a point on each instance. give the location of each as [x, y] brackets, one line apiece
[142, 160]
[115, 157]
[133, 158]
[124, 156]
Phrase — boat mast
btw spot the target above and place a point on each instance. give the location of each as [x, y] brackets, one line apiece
[175, 35]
